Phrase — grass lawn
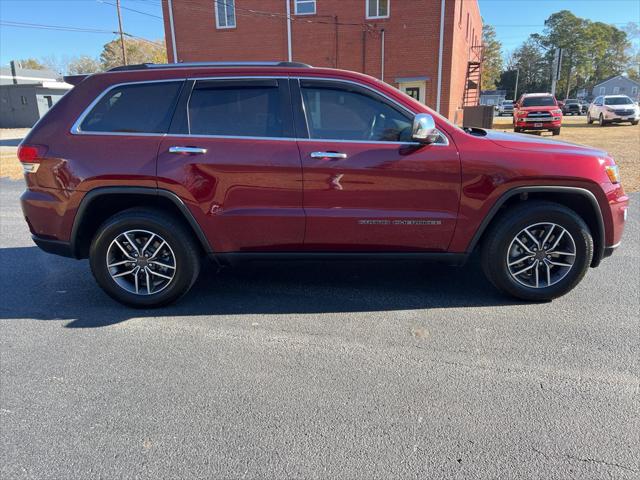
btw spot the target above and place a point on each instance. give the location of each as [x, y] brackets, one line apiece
[621, 141]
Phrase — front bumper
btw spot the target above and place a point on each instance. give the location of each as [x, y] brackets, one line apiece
[612, 117]
[534, 125]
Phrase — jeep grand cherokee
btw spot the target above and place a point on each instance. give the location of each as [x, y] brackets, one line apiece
[147, 169]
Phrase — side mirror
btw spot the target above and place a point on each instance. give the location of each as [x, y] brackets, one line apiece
[424, 129]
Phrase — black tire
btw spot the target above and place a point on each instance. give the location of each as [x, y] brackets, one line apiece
[503, 231]
[517, 129]
[635, 122]
[601, 121]
[589, 119]
[180, 240]
[556, 132]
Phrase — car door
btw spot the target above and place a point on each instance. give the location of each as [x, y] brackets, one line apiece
[367, 187]
[231, 156]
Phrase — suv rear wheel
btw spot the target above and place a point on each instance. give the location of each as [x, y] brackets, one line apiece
[144, 258]
[537, 251]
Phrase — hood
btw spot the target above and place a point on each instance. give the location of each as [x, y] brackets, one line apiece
[521, 141]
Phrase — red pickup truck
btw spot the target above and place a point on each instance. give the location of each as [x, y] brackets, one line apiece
[537, 111]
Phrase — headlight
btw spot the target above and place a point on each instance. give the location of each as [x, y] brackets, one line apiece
[556, 112]
[613, 172]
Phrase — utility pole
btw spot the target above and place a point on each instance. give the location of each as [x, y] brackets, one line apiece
[556, 69]
[515, 91]
[124, 50]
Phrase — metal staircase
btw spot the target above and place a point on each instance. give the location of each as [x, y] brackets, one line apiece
[474, 77]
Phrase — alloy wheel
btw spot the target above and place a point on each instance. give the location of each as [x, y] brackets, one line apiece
[541, 255]
[141, 262]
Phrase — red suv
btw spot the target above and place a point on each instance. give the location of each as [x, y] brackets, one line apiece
[147, 169]
[537, 111]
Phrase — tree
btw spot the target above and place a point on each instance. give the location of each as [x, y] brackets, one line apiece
[492, 65]
[30, 63]
[84, 64]
[138, 51]
[592, 51]
[633, 33]
[534, 69]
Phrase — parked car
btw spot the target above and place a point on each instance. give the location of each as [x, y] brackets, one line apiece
[536, 112]
[573, 107]
[607, 109]
[146, 169]
[505, 108]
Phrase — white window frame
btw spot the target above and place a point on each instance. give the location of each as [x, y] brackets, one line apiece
[296, 2]
[378, 9]
[616, 90]
[634, 90]
[217, 5]
[603, 90]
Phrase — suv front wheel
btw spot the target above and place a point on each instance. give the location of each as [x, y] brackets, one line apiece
[144, 258]
[537, 251]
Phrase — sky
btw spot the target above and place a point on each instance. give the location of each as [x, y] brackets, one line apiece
[514, 21]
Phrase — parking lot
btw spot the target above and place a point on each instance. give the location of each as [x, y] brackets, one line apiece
[316, 371]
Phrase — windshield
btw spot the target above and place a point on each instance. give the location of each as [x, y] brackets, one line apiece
[572, 102]
[507, 104]
[539, 102]
[617, 101]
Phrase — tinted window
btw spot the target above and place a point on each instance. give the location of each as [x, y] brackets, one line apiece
[344, 113]
[617, 101]
[136, 108]
[539, 102]
[242, 108]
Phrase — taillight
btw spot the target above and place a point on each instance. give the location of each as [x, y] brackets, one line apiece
[30, 157]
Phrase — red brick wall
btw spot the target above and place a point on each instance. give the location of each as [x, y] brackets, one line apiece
[458, 41]
[411, 39]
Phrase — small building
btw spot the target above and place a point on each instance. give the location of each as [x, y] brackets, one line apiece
[430, 49]
[618, 85]
[492, 97]
[26, 95]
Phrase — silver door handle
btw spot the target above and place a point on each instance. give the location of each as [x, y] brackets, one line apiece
[330, 155]
[189, 150]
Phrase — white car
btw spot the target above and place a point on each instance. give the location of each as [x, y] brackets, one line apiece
[613, 109]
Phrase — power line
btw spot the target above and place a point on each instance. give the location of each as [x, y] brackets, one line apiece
[131, 9]
[65, 28]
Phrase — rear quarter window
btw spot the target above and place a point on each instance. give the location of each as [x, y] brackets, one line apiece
[134, 108]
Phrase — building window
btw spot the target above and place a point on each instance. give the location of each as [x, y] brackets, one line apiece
[225, 13]
[616, 90]
[413, 92]
[634, 90]
[49, 100]
[305, 7]
[602, 90]
[23, 100]
[378, 8]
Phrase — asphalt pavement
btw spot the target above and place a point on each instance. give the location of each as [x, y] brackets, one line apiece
[326, 370]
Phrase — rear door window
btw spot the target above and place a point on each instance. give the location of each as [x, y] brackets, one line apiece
[240, 108]
[134, 108]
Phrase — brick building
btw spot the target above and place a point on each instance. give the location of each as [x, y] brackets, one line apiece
[403, 42]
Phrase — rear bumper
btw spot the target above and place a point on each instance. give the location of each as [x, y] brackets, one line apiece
[56, 247]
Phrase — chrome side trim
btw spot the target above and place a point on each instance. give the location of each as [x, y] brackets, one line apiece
[75, 128]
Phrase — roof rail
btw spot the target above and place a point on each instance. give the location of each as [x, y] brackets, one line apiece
[143, 66]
